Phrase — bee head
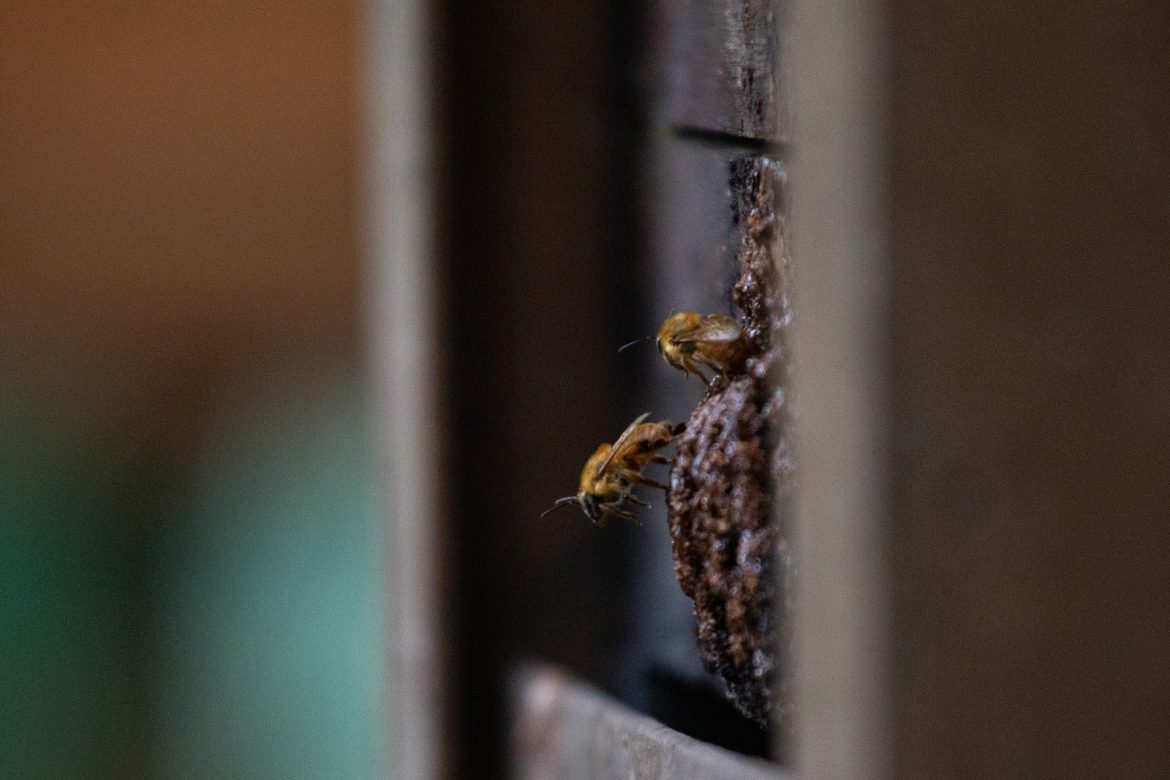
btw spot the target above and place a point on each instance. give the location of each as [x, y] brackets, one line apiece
[590, 504]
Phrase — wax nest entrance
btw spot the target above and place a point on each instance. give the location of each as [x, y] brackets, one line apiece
[731, 465]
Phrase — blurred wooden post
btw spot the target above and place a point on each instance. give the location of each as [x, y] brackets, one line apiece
[404, 324]
[1029, 472]
[839, 293]
[983, 405]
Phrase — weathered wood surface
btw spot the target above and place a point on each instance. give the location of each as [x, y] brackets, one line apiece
[716, 68]
[567, 731]
[690, 231]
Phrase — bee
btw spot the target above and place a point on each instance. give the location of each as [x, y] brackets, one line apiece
[688, 340]
[609, 476]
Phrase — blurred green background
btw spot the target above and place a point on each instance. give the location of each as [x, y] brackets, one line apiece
[238, 633]
[70, 606]
[269, 597]
[191, 576]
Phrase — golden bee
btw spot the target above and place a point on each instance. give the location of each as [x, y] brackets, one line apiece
[609, 476]
[688, 340]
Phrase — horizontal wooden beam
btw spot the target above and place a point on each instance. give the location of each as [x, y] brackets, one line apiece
[567, 730]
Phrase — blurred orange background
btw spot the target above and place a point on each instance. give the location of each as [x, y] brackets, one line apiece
[190, 550]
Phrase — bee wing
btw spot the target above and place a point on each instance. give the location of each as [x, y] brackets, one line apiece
[617, 445]
[713, 328]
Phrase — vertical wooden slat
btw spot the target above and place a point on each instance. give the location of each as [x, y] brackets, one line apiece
[1017, 479]
[838, 293]
[1030, 333]
[404, 320]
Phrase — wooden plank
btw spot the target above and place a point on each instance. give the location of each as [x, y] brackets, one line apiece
[715, 68]
[405, 327]
[1029, 323]
[690, 232]
[838, 304]
[1021, 486]
[566, 730]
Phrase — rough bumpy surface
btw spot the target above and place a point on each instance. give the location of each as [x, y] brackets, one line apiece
[730, 461]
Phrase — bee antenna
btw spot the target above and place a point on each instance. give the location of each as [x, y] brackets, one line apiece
[623, 347]
[560, 502]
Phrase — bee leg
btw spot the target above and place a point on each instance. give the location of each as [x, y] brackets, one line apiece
[725, 373]
[659, 459]
[691, 367]
[621, 513]
[635, 500]
[653, 483]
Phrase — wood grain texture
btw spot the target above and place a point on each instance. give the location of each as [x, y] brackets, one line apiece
[716, 67]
